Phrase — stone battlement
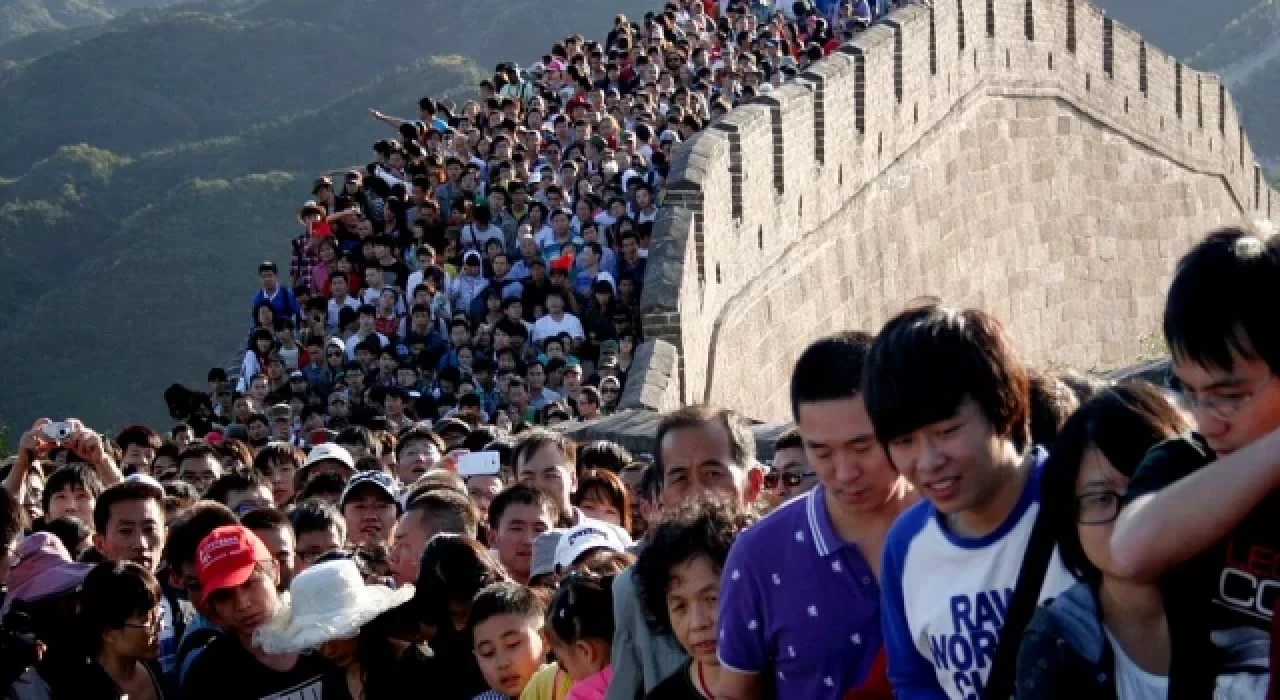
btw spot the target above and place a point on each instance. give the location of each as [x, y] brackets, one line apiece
[1032, 157]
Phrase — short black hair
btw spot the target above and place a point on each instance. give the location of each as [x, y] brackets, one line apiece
[113, 592]
[139, 435]
[1051, 402]
[316, 515]
[788, 439]
[238, 480]
[73, 475]
[1122, 422]
[829, 369]
[928, 359]
[453, 569]
[603, 454]
[418, 433]
[188, 529]
[446, 510]
[359, 435]
[123, 492]
[520, 495]
[264, 519]
[69, 530]
[706, 528]
[321, 484]
[1222, 301]
[505, 598]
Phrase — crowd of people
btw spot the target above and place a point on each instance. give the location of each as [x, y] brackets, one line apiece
[941, 522]
[379, 503]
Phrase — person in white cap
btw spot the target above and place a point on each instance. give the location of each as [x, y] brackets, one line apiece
[330, 610]
[469, 283]
[583, 539]
[326, 458]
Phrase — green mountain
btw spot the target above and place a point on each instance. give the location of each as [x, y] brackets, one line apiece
[19, 18]
[134, 284]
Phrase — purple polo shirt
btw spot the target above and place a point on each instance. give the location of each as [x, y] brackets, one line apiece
[799, 603]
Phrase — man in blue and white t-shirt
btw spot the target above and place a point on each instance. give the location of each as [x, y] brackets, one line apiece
[949, 400]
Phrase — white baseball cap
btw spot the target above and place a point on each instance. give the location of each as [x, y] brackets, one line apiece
[329, 450]
[587, 535]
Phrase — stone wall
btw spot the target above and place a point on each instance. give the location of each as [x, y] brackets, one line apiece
[1030, 157]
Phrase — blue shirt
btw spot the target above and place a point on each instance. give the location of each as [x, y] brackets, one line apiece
[945, 596]
[801, 603]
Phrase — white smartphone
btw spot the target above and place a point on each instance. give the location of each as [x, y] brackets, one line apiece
[479, 464]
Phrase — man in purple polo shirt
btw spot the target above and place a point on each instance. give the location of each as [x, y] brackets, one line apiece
[799, 600]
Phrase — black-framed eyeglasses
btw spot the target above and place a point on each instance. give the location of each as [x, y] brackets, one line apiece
[1098, 507]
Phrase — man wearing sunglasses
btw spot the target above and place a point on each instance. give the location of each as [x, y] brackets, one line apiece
[791, 474]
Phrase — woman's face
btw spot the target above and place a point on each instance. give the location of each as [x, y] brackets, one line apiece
[139, 638]
[601, 510]
[1099, 490]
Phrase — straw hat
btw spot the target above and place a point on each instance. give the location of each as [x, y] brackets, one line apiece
[328, 601]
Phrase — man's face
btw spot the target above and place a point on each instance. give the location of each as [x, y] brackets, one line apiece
[279, 541]
[371, 516]
[549, 470]
[268, 279]
[698, 463]
[139, 457]
[248, 606]
[630, 249]
[520, 526]
[200, 472]
[258, 496]
[338, 286]
[135, 532]
[537, 378]
[501, 266]
[316, 543]
[954, 462]
[258, 389]
[555, 305]
[258, 431]
[1232, 408]
[840, 445]
[573, 381]
[411, 537]
[415, 459]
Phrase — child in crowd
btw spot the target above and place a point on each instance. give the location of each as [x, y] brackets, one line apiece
[507, 638]
[580, 631]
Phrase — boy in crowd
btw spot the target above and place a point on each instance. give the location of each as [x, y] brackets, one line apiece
[680, 574]
[272, 527]
[506, 622]
[949, 399]
[1201, 517]
[238, 582]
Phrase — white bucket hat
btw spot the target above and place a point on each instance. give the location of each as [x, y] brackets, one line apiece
[328, 601]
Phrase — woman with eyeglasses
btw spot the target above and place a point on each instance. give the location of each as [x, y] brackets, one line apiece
[1106, 637]
[119, 628]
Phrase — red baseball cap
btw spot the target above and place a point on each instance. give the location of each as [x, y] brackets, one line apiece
[226, 558]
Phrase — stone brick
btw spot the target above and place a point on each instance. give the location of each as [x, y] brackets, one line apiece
[1057, 198]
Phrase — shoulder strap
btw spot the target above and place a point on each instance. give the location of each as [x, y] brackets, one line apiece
[1026, 596]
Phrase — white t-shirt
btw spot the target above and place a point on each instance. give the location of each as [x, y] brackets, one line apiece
[944, 596]
[1133, 683]
[547, 327]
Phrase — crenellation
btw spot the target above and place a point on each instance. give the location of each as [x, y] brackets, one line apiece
[927, 157]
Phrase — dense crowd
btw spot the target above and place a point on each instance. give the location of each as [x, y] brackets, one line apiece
[378, 503]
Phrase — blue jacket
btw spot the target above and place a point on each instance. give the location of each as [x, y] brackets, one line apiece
[1065, 654]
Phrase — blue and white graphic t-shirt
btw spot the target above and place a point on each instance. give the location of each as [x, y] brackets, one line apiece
[944, 597]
